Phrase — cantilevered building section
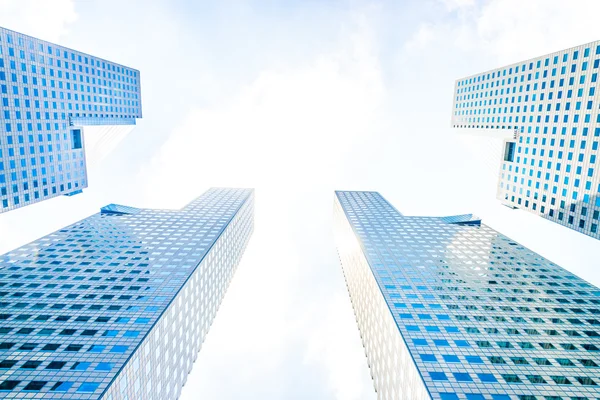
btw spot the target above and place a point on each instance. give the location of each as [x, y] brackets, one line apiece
[47, 93]
[117, 306]
[549, 111]
[450, 309]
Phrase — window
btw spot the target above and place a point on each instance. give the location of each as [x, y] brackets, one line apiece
[519, 360]
[88, 387]
[438, 376]
[584, 380]
[535, 378]
[56, 365]
[7, 364]
[104, 366]
[118, 349]
[588, 363]
[450, 358]
[80, 366]
[448, 396]
[565, 362]
[487, 378]
[9, 385]
[96, 348]
[74, 347]
[475, 396]
[61, 386]
[35, 386]
[428, 357]
[462, 377]
[31, 364]
[561, 380]
[511, 378]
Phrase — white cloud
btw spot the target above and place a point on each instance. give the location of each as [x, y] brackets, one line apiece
[424, 35]
[452, 5]
[537, 26]
[510, 30]
[290, 126]
[286, 134]
[46, 19]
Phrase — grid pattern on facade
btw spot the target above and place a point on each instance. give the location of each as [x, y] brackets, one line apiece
[46, 92]
[552, 104]
[394, 373]
[482, 316]
[82, 307]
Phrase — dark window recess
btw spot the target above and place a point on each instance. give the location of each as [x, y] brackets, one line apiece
[509, 151]
[76, 138]
[9, 385]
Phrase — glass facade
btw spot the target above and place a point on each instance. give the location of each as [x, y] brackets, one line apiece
[450, 309]
[47, 92]
[117, 306]
[550, 109]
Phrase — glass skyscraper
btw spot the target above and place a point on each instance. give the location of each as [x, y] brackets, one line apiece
[450, 309]
[47, 93]
[117, 306]
[549, 111]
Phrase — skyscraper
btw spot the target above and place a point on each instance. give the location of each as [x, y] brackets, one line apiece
[117, 305]
[548, 109]
[47, 93]
[450, 309]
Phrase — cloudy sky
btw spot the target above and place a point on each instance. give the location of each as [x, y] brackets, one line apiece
[296, 99]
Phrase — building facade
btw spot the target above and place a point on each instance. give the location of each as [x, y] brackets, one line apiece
[549, 111]
[449, 309]
[117, 306]
[47, 93]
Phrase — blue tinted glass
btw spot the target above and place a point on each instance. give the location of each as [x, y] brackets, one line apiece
[487, 378]
[104, 366]
[448, 396]
[61, 387]
[474, 359]
[450, 358]
[81, 366]
[88, 387]
[428, 357]
[462, 377]
[438, 376]
[473, 396]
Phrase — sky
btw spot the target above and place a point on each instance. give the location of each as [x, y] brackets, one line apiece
[297, 99]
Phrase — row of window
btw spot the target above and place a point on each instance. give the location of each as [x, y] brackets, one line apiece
[36, 386]
[52, 49]
[478, 396]
[524, 67]
[513, 378]
[474, 359]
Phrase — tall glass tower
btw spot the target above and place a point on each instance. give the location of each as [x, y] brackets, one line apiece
[47, 93]
[450, 309]
[117, 306]
[548, 109]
